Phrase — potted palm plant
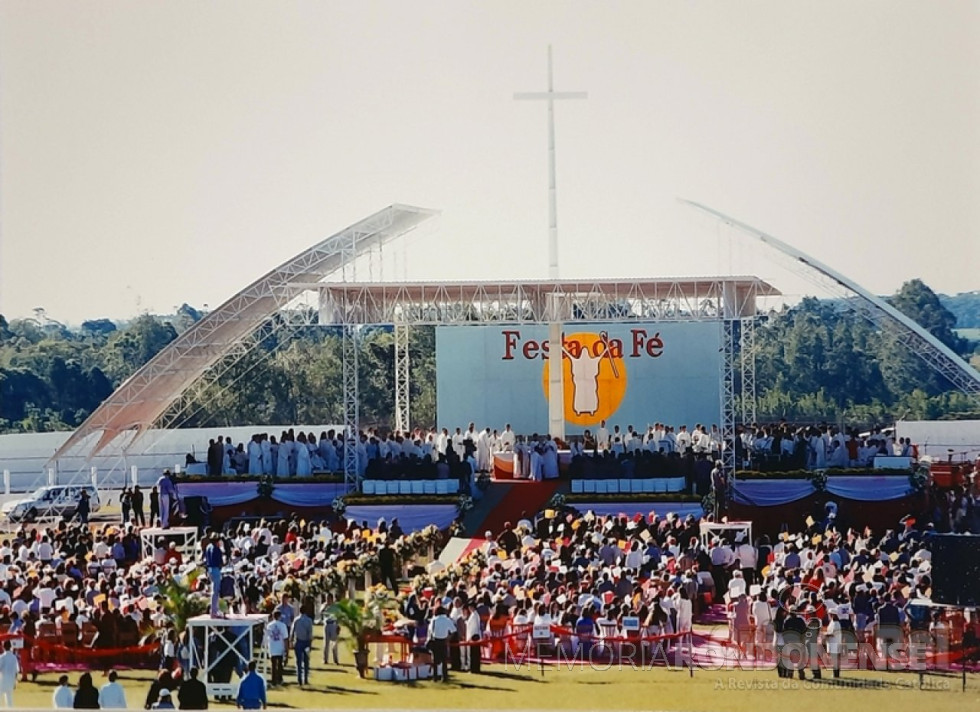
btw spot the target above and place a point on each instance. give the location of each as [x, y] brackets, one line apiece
[352, 617]
[360, 619]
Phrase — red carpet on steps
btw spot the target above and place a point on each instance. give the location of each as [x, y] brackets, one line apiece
[527, 497]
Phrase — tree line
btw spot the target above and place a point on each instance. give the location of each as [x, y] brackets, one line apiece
[815, 361]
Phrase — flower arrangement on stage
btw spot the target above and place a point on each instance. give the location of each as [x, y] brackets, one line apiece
[405, 548]
[294, 587]
[708, 503]
[381, 604]
[557, 501]
[351, 570]
[431, 535]
[339, 506]
[919, 479]
[422, 582]
[464, 503]
[819, 480]
[268, 604]
[265, 487]
[328, 580]
[475, 563]
[369, 562]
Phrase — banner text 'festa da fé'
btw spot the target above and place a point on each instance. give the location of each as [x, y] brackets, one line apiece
[625, 374]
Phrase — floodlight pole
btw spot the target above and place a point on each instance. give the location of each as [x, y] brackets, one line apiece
[556, 396]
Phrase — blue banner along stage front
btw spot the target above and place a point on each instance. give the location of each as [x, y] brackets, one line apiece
[626, 374]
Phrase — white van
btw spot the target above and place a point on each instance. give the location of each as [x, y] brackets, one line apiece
[50, 501]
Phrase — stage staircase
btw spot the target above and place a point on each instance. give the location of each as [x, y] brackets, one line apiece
[505, 501]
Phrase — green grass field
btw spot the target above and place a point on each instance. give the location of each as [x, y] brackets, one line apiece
[500, 687]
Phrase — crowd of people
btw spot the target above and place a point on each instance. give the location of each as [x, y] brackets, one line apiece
[596, 582]
[662, 450]
[817, 446]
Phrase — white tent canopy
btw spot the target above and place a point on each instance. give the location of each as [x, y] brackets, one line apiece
[709, 530]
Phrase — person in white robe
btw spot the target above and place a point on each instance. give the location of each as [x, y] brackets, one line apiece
[327, 453]
[507, 439]
[457, 443]
[602, 436]
[282, 463]
[304, 466]
[550, 464]
[332, 456]
[537, 461]
[254, 456]
[442, 443]
[683, 440]
[266, 453]
[483, 451]
[362, 455]
[9, 670]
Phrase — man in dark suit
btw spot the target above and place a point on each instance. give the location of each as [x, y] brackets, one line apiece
[386, 562]
[889, 628]
[216, 457]
[193, 694]
[794, 630]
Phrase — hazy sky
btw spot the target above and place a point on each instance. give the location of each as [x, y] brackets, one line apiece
[153, 153]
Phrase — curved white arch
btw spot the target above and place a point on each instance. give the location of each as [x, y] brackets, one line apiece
[146, 395]
[930, 349]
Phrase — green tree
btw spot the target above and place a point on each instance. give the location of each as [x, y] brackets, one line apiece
[922, 305]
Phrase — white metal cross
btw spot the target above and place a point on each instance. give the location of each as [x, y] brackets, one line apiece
[550, 97]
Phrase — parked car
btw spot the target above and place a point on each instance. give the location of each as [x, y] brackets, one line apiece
[50, 501]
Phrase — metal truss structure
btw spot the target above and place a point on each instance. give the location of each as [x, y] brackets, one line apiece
[727, 395]
[883, 315]
[352, 422]
[146, 395]
[746, 352]
[402, 384]
[164, 390]
[542, 302]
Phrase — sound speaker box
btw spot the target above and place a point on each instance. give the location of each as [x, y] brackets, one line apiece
[956, 569]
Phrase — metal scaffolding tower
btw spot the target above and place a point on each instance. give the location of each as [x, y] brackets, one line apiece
[746, 351]
[402, 382]
[352, 428]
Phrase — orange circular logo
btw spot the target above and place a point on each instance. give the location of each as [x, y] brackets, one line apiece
[593, 378]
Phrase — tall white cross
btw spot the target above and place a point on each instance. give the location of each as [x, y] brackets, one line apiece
[556, 369]
[550, 97]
